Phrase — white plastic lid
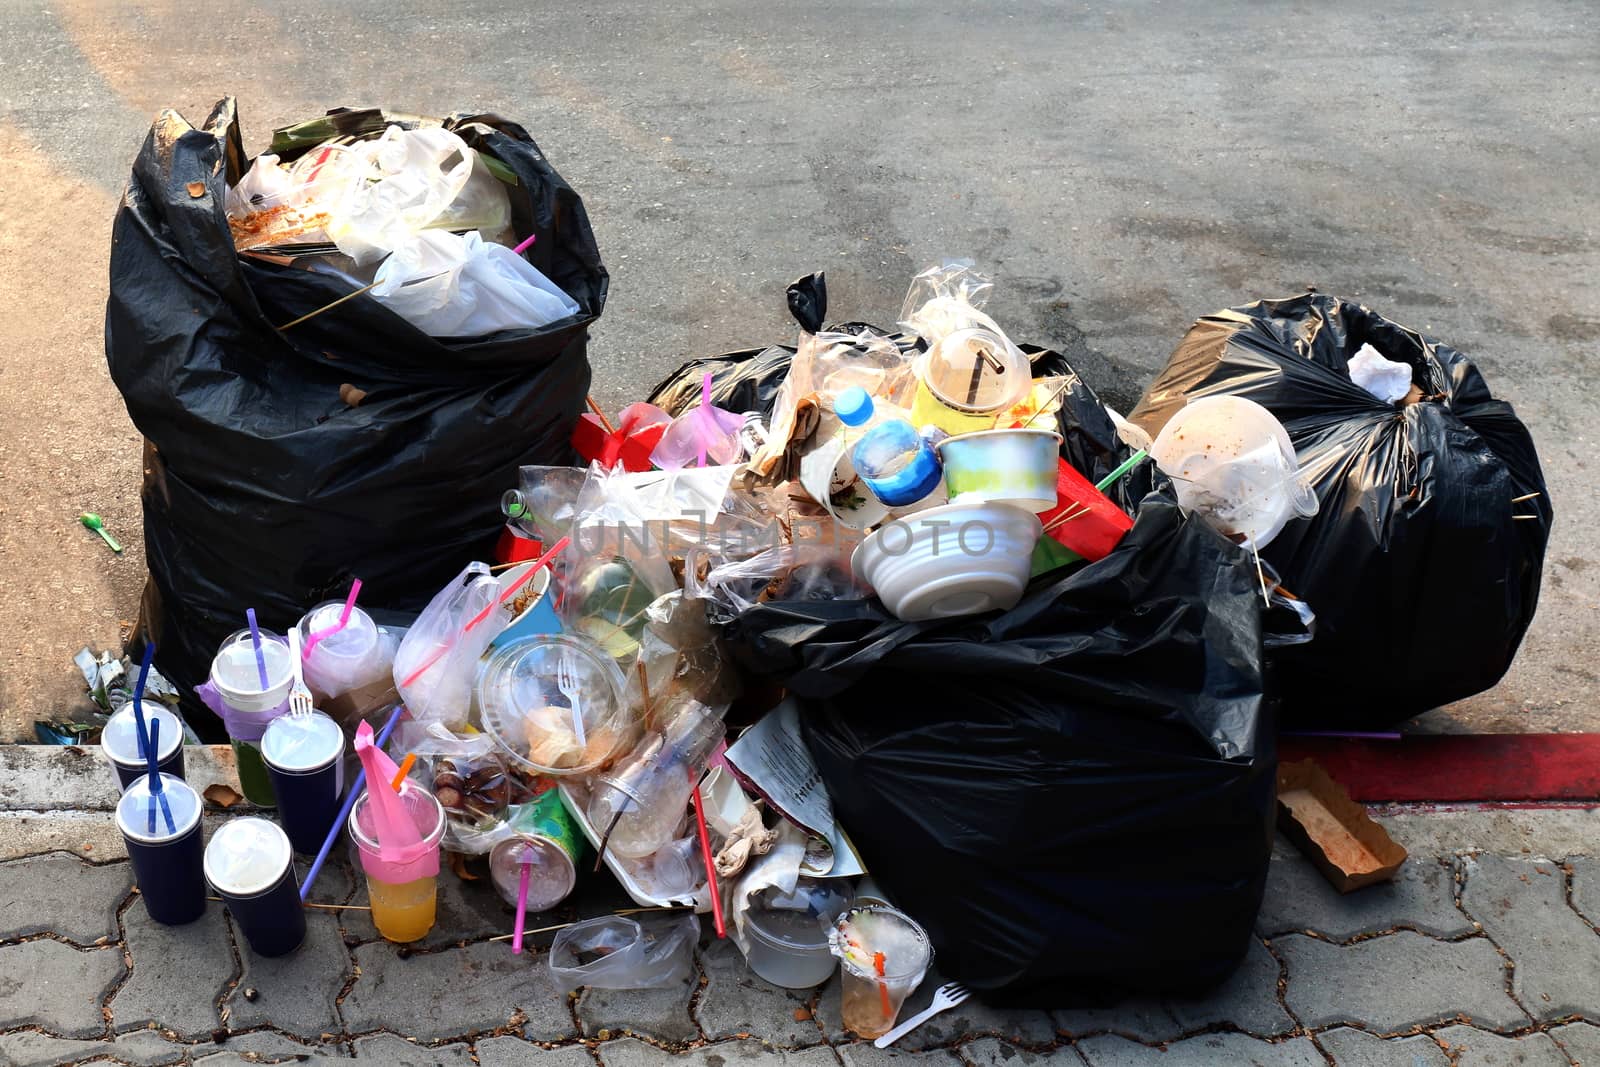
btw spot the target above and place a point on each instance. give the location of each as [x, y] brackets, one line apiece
[298, 744]
[134, 809]
[247, 857]
[521, 704]
[357, 639]
[120, 738]
[235, 671]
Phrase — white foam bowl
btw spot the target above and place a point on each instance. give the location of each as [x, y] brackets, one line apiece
[959, 559]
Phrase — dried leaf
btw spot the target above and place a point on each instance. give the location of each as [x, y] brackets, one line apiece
[458, 864]
[197, 190]
[222, 796]
[351, 395]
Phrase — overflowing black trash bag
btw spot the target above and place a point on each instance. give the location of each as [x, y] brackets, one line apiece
[263, 487]
[1422, 578]
[1073, 797]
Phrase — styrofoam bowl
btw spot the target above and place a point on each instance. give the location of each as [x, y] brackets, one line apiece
[960, 559]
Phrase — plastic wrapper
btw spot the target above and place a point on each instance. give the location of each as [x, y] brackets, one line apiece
[680, 655]
[474, 785]
[461, 286]
[1422, 574]
[947, 298]
[437, 660]
[806, 572]
[1089, 774]
[704, 435]
[616, 952]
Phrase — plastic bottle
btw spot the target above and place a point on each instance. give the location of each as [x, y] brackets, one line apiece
[893, 460]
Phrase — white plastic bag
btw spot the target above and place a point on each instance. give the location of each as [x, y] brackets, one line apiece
[437, 662]
[1383, 378]
[416, 180]
[450, 286]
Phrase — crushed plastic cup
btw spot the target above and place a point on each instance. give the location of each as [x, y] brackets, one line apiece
[883, 956]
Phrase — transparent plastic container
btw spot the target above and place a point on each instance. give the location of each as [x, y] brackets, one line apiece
[645, 799]
[788, 933]
[520, 702]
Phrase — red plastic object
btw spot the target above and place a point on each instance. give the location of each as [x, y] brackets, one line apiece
[1458, 768]
[636, 437]
[1093, 533]
[514, 548]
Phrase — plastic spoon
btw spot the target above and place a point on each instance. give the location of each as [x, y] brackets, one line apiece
[92, 521]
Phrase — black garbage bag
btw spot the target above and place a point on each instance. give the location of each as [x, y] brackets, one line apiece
[265, 489]
[1073, 797]
[1422, 580]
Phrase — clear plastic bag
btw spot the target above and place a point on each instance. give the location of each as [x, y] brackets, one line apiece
[616, 952]
[437, 660]
[679, 656]
[477, 789]
[415, 180]
[459, 286]
[788, 572]
[703, 435]
[295, 205]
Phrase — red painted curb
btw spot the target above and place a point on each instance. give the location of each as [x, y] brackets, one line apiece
[1451, 768]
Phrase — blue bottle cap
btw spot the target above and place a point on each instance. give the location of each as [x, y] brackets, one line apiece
[853, 406]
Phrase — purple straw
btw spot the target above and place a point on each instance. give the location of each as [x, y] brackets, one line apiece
[255, 639]
[349, 802]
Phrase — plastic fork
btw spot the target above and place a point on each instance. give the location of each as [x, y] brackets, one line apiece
[945, 997]
[299, 697]
[568, 683]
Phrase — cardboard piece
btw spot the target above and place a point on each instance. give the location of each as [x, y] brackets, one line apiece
[1335, 833]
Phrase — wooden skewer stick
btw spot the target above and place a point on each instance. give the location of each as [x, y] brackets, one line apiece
[1068, 515]
[305, 904]
[599, 414]
[325, 307]
[563, 926]
[1525, 496]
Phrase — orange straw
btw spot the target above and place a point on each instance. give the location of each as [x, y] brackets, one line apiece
[883, 987]
[405, 769]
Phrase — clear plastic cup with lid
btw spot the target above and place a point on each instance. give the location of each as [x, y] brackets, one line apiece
[352, 656]
[249, 705]
[555, 703]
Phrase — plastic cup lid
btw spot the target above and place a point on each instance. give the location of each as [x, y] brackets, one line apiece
[133, 810]
[234, 670]
[959, 371]
[551, 872]
[120, 738]
[295, 743]
[521, 704]
[872, 928]
[358, 637]
[247, 856]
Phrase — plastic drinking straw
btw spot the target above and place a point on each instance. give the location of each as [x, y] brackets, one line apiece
[255, 639]
[1122, 468]
[522, 908]
[138, 698]
[484, 614]
[344, 620]
[705, 854]
[349, 802]
[606, 423]
[1362, 735]
[155, 781]
[526, 244]
[405, 769]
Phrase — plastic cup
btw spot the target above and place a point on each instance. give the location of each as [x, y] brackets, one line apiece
[250, 865]
[167, 859]
[404, 894]
[870, 1002]
[546, 841]
[1016, 467]
[788, 933]
[967, 379]
[123, 747]
[248, 707]
[520, 704]
[304, 757]
[352, 658]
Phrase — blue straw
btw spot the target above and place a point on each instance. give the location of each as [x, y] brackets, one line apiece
[138, 697]
[349, 803]
[255, 639]
[155, 781]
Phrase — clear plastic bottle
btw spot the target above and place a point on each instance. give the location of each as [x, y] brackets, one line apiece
[644, 800]
[895, 463]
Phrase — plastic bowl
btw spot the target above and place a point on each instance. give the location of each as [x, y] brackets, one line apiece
[519, 703]
[959, 559]
[1016, 467]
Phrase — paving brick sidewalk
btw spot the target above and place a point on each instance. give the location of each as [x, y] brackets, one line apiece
[1469, 958]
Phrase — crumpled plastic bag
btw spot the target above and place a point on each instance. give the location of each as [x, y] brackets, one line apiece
[450, 286]
[616, 952]
[1385, 379]
[437, 662]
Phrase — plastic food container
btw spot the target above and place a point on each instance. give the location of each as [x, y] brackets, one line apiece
[1016, 467]
[967, 379]
[788, 933]
[959, 559]
[520, 702]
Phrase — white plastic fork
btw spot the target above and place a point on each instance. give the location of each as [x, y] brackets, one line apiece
[945, 997]
[568, 683]
[299, 697]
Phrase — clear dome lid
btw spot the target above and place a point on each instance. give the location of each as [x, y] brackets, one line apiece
[236, 671]
[977, 370]
[120, 738]
[357, 639]
[247, 856]
[155, 820]
[299, 743]
[522, 703]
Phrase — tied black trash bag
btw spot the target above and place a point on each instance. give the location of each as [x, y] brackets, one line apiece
[1072, 797]
[1422, 581]
[263, 488]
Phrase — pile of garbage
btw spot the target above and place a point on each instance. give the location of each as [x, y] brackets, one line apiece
[888, 642]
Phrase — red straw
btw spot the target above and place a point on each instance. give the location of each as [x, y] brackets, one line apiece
[484, 614]
[705, 853]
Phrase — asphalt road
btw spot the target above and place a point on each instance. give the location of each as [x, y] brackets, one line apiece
[1120, 168]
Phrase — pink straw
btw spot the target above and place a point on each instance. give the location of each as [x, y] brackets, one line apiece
[344, 620]
[527, 244]
[522, 910]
